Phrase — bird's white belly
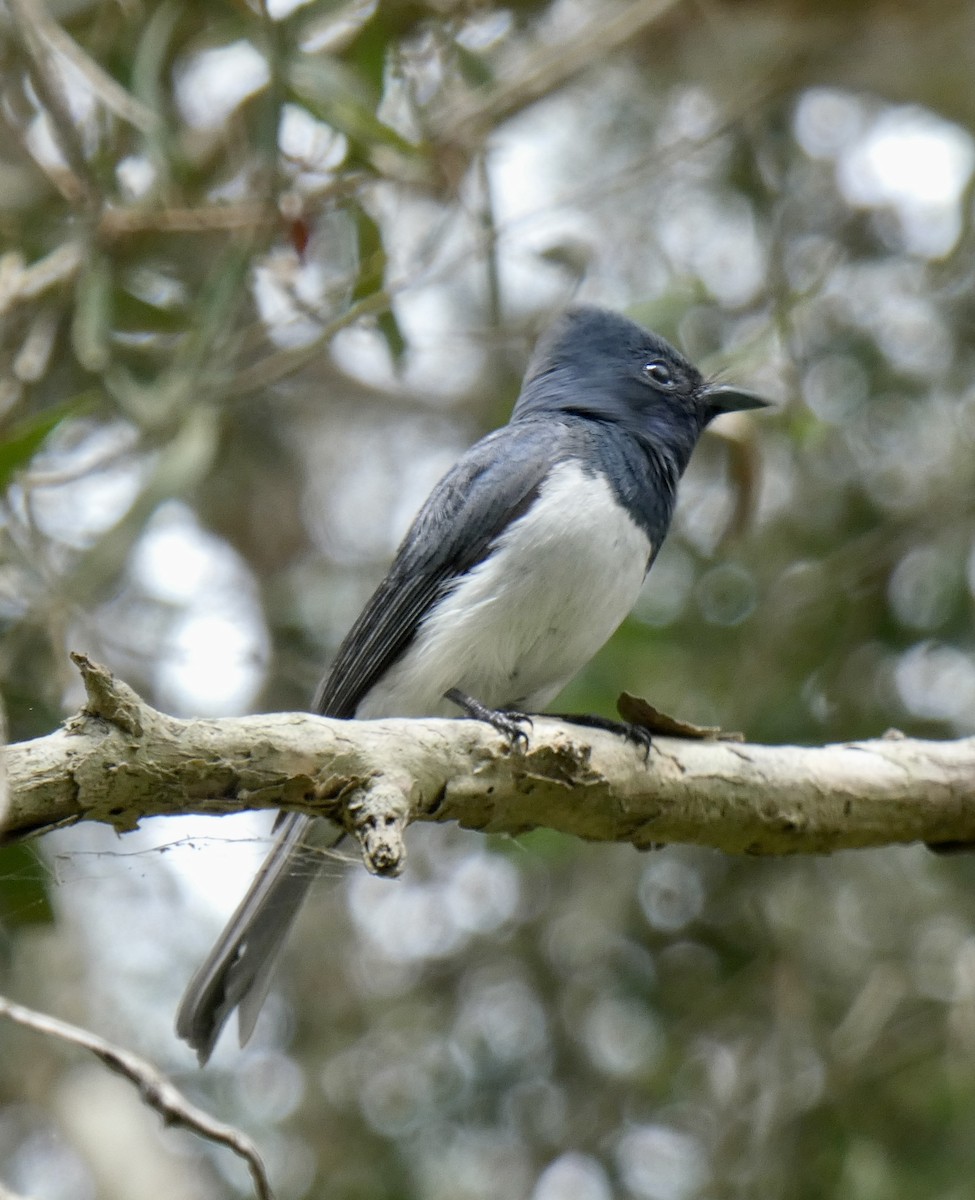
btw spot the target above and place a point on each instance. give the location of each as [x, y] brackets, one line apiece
[516, 629]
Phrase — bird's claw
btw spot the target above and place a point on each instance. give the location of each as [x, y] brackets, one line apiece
[639, 735]
[508, 723]
[510, 726]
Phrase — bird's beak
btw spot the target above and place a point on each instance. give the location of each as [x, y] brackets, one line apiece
[722, 398]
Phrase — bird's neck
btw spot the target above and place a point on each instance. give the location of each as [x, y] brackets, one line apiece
[665, 465]
[654, 496]
[643, 474]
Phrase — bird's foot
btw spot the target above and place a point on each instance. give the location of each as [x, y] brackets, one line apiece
[508, 724]
[639, 735]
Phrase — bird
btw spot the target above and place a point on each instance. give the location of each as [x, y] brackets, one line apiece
[523, 561]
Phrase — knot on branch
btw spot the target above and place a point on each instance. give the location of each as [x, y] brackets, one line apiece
[109, 698]
[379, 814]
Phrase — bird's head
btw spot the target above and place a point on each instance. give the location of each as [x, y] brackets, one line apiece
[599, 365]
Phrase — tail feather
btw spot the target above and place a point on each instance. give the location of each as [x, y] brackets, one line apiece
[237, 972]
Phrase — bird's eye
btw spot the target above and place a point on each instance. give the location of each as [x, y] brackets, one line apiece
[659, 373]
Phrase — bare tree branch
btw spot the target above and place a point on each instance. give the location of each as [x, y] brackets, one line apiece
[154, 1088]
[120, 760]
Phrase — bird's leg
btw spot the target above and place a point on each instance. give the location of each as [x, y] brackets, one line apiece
[508, 724]
[638, 734]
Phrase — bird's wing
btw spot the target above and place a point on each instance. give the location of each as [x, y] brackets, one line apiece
[490, 486]
[493, 484]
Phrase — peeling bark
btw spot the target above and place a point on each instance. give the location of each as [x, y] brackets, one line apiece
[119, 760]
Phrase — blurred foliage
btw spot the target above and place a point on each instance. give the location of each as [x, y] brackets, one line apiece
[264, 273]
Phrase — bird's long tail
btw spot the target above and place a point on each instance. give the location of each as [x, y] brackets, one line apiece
[237, 971]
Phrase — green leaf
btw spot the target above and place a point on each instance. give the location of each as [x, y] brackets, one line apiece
[152, 55]
[19, 446]
[371, 254]
[149, 83]
[389, 328]
[91, 320]
[369, 48]
[372, 277]
[135, 315]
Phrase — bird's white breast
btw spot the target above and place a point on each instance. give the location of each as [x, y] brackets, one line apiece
[516, 629]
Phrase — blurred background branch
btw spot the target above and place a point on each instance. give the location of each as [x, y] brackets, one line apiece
[154, 1089]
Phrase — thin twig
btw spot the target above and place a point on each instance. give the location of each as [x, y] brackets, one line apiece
[117, 222]
[47, 85]
[274, 367]
[19, 282]
[108, 90]
[154, 1088]
[550, 70]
